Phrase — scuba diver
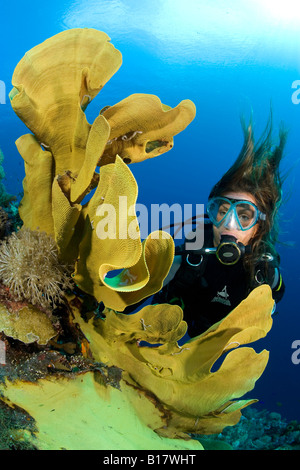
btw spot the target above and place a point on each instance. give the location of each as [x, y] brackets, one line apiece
[239, 237]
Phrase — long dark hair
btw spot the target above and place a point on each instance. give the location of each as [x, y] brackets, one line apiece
[256, 171]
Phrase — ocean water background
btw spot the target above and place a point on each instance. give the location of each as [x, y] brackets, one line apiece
[229, 58]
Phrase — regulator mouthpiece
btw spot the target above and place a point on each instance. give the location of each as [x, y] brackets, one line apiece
[229, 251]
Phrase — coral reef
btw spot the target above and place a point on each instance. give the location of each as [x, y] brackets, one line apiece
[9, 212]
[75, 370]
[16, 428]
[30, 268]
[28, 324]
[5, 198]
[4, 223]
[259, 430]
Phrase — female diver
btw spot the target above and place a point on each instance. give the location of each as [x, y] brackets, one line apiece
[239, 238]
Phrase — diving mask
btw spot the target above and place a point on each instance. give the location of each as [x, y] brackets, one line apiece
[234, 214]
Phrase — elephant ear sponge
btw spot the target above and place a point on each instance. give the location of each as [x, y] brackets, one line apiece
[30, 268]
[191, 397]
[54, 82]
[142, 127]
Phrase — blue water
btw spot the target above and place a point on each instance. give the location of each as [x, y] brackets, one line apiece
[229, 58]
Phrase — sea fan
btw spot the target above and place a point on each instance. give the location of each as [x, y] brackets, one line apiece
[30, 268]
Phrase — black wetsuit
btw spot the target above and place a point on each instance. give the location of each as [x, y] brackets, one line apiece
[208, 292]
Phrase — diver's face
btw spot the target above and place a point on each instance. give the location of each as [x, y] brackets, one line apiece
[242, 236]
